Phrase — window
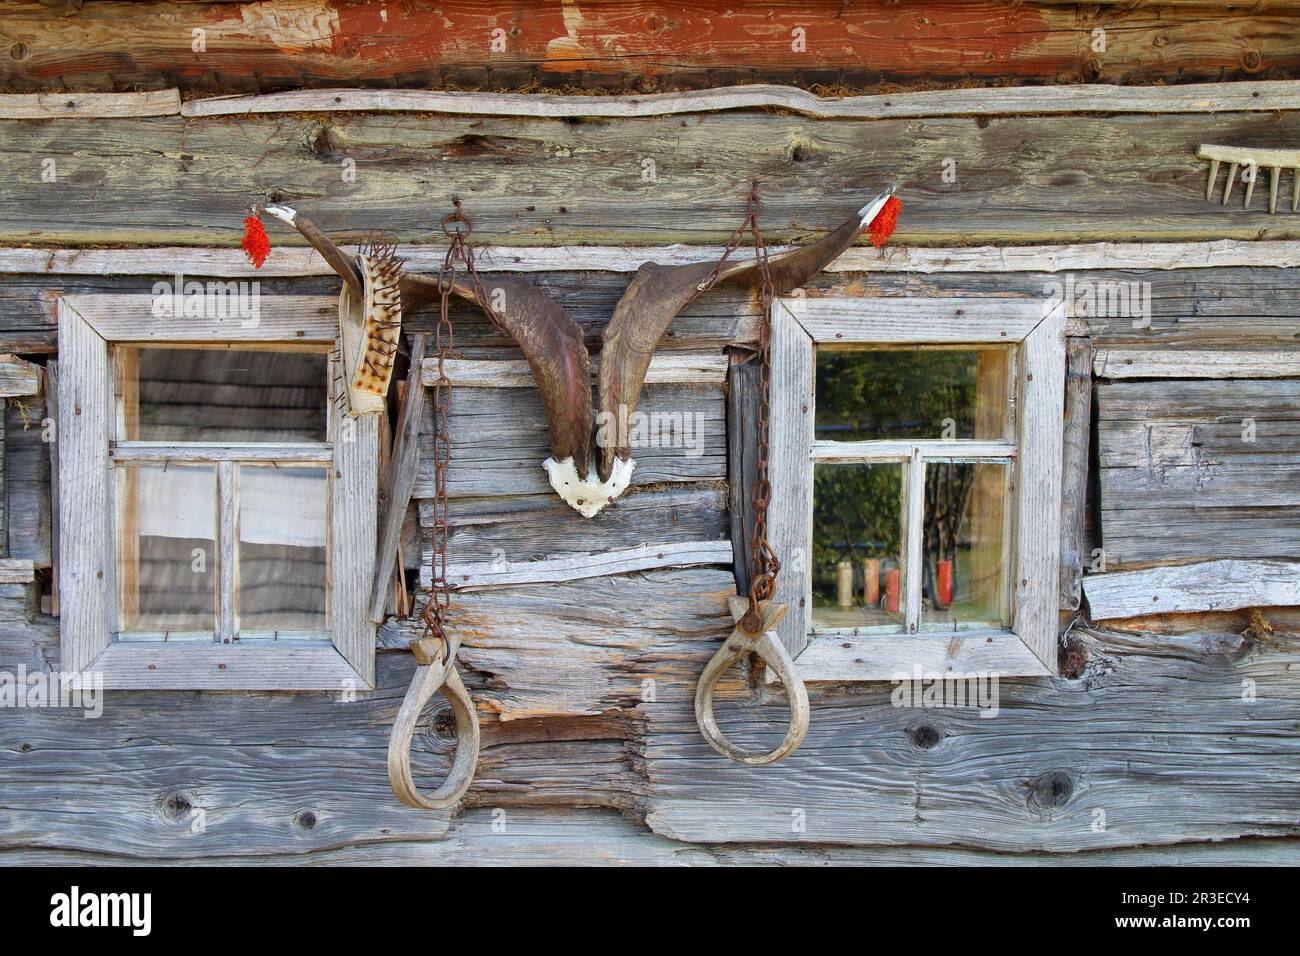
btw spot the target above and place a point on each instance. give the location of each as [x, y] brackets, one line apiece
[217, 512]
[916, 473]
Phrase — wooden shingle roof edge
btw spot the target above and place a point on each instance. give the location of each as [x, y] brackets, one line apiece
[1246, 96]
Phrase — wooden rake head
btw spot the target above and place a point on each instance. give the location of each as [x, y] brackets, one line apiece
[1274, 160]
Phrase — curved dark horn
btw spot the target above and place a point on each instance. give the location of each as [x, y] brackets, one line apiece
[792, 269]
[551, 341]
[652, 299]
[657, 293]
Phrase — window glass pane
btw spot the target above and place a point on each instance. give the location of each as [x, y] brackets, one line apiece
[963, 546]
[167, 555]
[222, 395]
[283, 548]
[857, 541]
[869, 395]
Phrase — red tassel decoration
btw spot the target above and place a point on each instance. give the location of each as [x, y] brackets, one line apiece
[256, 245]
[882, 227]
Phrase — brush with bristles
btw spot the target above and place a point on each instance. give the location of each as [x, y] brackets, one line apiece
[381, 271]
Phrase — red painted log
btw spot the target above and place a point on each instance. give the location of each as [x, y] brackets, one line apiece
[627, 44]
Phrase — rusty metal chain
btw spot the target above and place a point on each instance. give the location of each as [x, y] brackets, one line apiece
[457, 228]
[763, 562]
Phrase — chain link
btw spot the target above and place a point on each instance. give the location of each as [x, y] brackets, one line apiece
[764, 565]
[457, 228]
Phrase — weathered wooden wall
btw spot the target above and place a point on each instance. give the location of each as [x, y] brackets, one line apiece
[634, 45]
[562, 672]
[583, 639]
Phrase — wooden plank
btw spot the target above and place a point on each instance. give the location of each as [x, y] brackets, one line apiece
[1075, 461]
[884, 657]
[85, 520]
[913, 529]
[743, 442]
[637, 45]
[528, 528]
[1180, 589]
[52, 415]
[127, 665]
[398, 481]
[1199, 469]
[40, 106]
[227, 552]
[581, 836]
[885, 450]
[501, 438]
[575, 566]
[904, 320]
[790, 435]
[201, 201]
[1133, 362]
[297, 261]
[354, 506]
[1193, 533]
[1039, 413]
[292, 319]
[670, 368]
[18, 378]
[1260, 95]
[165, 451]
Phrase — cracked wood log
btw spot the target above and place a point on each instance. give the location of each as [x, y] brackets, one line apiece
[869, 775]
[577, 181]
[1206, 586]
[636, 44]
[553, 836]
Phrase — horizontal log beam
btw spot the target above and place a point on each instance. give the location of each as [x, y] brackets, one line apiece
[293, 261]
[551, 182]
[637, 45]
[1181, 589]
[681, 368]
[1135, 362]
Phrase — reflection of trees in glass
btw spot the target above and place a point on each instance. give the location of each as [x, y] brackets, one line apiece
[947, 493]
[857, 511]
[870, 395]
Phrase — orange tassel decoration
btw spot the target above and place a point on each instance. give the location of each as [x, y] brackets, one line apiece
[256, 245]
[882, 227]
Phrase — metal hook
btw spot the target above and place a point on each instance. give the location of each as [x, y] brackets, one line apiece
[434, 673]
[767, 645]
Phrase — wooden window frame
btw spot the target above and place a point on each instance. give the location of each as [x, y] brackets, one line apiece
[1036, 328]
[87, 327]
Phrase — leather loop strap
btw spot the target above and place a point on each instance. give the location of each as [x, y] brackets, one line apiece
[430, 678]
[767, 645]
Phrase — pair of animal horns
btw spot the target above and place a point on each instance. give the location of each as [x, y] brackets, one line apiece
[554, 345]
